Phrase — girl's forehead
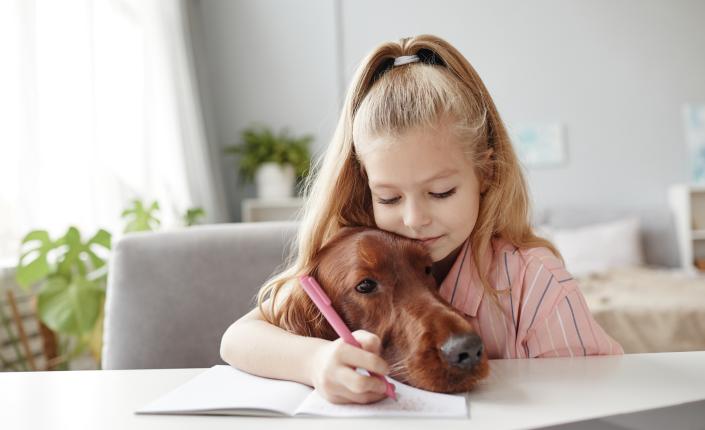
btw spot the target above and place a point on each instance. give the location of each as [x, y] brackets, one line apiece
[413, 159]
[413, 145]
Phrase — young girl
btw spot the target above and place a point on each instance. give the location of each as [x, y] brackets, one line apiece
[421, 151]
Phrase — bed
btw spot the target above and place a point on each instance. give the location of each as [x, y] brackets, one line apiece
[649, 309]
[626, 264]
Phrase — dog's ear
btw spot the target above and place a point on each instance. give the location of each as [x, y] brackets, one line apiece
[301, 316]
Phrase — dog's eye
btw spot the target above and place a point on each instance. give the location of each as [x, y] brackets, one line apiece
[428, 270]
[366, 286]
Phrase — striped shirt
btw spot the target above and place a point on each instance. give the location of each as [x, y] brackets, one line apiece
[543, 313]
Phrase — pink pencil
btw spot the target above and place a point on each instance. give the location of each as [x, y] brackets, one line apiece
[323, 303]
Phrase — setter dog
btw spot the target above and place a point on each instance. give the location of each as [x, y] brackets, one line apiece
[382, 283]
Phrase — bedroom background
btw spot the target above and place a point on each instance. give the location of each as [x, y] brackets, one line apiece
[121, 100]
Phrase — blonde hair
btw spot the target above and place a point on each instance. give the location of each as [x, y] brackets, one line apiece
[384, 99]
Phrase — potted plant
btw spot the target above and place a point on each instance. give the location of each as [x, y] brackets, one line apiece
[70, 277]
[273, 161]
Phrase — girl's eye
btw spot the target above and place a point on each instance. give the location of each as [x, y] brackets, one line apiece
[436, 195]
[428, 270]
[444, 195]
[387, 201]
[366, 286]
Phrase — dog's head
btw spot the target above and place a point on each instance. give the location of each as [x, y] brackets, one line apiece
[382, 283]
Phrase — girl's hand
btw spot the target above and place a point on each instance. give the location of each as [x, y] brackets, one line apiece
[334, 375]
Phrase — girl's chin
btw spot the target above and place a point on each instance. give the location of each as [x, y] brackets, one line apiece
[438, 253]
[443, 251]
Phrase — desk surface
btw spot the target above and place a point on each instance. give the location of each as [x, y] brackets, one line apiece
[518, 394]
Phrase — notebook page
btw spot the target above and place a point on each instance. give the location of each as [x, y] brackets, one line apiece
[225, 390]
[412, 402]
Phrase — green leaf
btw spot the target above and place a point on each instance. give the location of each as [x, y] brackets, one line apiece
[72, 252]
[139, 218]
[102, 238]
[72, 280]
[70, 307]
[260, 145]
[192, 215]
[95, 338]
[33, 265]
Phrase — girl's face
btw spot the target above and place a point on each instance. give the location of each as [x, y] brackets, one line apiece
[423, 187]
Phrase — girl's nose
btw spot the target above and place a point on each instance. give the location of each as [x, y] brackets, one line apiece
[416, 215]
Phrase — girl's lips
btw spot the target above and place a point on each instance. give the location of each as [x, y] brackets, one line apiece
[429, 241]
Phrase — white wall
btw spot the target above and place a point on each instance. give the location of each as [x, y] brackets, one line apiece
[614, 73]
[272, 62]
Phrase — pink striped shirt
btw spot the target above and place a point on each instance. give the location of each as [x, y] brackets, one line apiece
[545, 314]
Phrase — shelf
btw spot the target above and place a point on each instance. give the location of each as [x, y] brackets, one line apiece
[687, 202]
[255, 210]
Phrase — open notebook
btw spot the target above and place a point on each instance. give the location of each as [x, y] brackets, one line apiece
[224, 390]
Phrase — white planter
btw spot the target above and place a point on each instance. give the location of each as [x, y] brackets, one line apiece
[274, 181]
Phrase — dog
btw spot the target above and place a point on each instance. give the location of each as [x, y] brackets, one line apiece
[382, 282]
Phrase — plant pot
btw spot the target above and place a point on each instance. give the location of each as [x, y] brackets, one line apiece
[274, 181]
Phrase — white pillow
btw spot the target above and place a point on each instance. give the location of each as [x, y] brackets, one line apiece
[598, 247]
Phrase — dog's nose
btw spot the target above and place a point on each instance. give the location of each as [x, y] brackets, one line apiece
[463, 350]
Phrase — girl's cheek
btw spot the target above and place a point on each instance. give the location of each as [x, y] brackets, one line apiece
[383, 217]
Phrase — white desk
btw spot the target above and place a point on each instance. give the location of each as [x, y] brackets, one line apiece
[518, 394]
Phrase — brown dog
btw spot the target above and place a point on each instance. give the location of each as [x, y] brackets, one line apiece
[382, 283]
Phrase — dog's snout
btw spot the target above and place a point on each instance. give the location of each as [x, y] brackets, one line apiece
[463, 351]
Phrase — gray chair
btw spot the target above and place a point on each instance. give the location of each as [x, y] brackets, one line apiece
[171, 295]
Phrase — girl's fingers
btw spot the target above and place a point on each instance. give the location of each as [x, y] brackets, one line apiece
[369, 341]
[341, 383]
[359, 383]
[359, 388]
[355, 357]
[366, 398]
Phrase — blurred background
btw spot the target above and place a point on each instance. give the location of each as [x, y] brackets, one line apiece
[128, 115]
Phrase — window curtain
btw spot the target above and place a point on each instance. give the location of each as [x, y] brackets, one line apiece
[99, 106]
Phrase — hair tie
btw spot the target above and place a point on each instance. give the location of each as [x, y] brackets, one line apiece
[405, 59]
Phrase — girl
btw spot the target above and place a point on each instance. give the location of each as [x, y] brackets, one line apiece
[421, 151]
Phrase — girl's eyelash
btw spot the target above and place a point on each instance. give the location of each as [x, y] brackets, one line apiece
[387, 201]
[444, 195]
[436, 195]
